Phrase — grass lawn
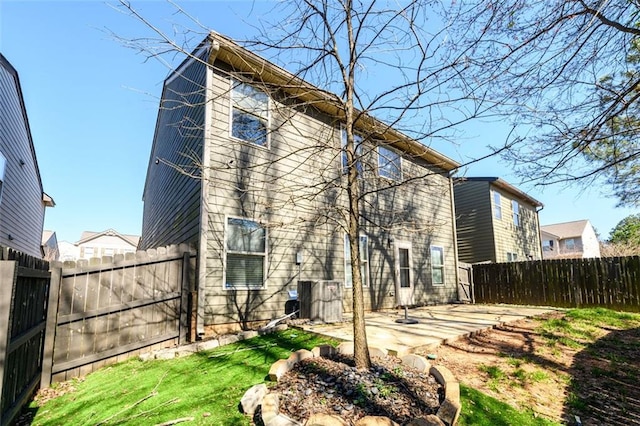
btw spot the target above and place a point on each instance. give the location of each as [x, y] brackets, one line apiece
[207, 386]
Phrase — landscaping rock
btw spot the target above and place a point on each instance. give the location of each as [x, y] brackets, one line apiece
[345, 348]
[299, 355]
[270, 407]
[323, 350]
[253, 398]
[325, 420]
[279, 368]
[416, 361]
[282, 420]
[430, 420]
[376, 421]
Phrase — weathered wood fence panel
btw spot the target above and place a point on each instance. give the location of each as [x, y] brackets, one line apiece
[24, 294]
[110, 311]
[612, 282]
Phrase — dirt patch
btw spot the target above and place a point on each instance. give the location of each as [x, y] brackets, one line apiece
[528, 367]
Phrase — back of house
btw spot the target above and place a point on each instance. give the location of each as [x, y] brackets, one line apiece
[248, 165]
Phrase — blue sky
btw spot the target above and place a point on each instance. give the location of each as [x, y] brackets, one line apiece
[92, 105]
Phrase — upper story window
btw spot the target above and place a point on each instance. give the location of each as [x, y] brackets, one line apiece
[570, 244]
[357, 140]
[3, 166]
[515, 207]
[497, 205]
[364, 261]
[547, 245]
[246, 254]
[389, 164]
[250, 114]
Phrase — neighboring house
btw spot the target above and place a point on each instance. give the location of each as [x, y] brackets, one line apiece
[22, 200]
[566, 240]
[495, 221]
[50, 249]
[266, 210]
[68, 251]
[105, 243]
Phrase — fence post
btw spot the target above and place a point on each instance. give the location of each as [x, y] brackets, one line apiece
[184, 298]
[50, 331]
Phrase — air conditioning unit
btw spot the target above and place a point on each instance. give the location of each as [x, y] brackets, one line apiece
[320, 301]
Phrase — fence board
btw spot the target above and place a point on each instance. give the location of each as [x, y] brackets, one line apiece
[602, 282]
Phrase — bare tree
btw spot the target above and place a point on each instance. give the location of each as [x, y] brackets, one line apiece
[568, 70]
[379, 68]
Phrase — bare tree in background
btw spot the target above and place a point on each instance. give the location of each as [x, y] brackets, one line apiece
[383, 59]
[570, 70]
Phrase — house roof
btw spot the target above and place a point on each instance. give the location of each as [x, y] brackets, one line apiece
[46, 235]
[505, 186]
[88, 236]
[565, 229]
[248, 63]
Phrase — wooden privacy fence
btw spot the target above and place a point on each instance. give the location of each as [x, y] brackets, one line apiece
[24, 292]
[610, 282]
[109, 311]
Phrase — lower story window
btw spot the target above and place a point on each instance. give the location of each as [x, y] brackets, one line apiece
[437, 265]
[246, 254]
[364, 261]
[512, 257]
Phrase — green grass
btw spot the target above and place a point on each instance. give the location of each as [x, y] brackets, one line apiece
[479, 409]
[206, 386]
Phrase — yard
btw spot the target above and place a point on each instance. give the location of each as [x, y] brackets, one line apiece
[540, 371]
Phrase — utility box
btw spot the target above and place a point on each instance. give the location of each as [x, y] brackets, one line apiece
[320, 300]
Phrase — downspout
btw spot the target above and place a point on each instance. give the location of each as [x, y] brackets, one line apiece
[539, 235]
[204, 188]
[454, 230]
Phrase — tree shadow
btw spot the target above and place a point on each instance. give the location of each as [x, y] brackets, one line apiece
[604, 381]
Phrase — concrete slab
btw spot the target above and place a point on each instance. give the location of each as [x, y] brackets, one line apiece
[436, 324]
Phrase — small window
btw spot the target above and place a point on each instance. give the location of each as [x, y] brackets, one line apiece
[88, 252]
[515, 207]
[570, 244]
[497, 205]
[364, 261]
[547, 245]
[437, 265]
[357, 139]
[250, 114]
[512, 257]
[3, 166]
[246, 254]
[389, 164]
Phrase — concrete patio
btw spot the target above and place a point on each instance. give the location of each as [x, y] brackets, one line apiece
[436, 325]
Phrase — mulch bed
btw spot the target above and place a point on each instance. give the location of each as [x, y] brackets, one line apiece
[334, 386]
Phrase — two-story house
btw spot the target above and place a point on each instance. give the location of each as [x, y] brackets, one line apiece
[495, 221]
[247, 164]
[22, 200]
[576, 239]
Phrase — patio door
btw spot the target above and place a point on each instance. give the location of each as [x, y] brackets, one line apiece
[404, 274]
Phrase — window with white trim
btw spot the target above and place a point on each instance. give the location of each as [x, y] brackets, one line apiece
[547, 245]
[364, 261]
[515, 207]
[389, 164]
[246, 254]
[512, 257]
[88, 252]
[249, 114]
[3, 166]
[357, 140]
[437, 265]
[497, 205]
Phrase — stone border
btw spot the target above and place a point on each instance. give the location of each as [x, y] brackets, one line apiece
[259, 396]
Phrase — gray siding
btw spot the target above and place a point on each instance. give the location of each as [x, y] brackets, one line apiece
[474, 221]
[173, 188]
[21, 206]
[294, 187]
